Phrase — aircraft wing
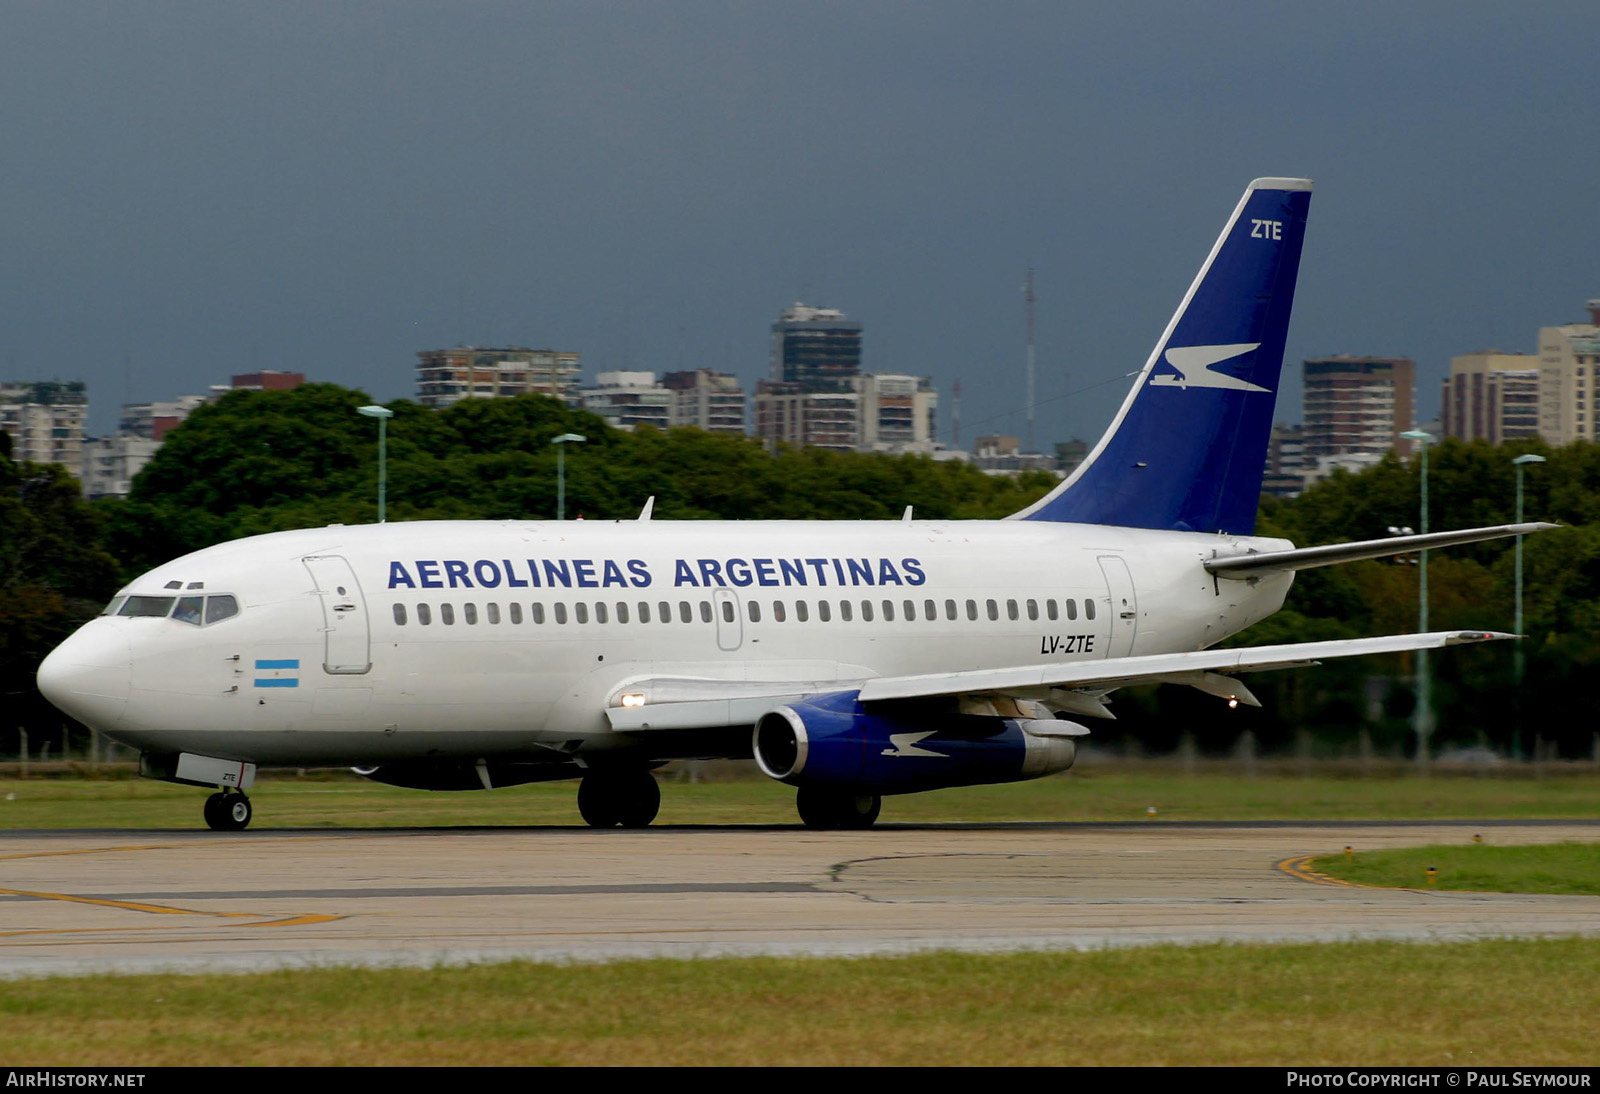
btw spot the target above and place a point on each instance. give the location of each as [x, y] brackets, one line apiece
[681, 703]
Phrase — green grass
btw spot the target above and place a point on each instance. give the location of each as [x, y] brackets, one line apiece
[1572, 868]
[1489, 1003]
[1123, 792]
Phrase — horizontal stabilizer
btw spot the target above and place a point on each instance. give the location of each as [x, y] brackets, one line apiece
[1306, 558]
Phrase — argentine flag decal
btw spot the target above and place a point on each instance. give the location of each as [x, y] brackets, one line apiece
[278, 674]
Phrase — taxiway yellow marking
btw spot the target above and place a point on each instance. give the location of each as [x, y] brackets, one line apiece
[133, 906]
[1299, 867]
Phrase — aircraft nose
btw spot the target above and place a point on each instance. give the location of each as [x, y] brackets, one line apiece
[89, 676]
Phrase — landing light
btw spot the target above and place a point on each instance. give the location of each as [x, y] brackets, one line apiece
[633, 699]
[1233, 702]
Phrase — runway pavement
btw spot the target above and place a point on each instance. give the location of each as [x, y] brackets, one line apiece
[76, 902]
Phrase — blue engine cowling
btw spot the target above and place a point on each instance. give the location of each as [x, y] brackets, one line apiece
[897, 749]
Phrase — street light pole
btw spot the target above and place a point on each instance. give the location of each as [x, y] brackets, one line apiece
[1517, 657]
[561, 470]
[1423, 716]
[383, 414]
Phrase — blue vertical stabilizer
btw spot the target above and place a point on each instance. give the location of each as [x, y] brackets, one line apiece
[1189, 445]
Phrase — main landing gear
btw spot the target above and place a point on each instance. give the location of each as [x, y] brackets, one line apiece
[627, 798]
[226, 812]
[822, 807]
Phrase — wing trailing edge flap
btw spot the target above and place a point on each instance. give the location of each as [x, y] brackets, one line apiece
[1076, 687]
[1306, 558]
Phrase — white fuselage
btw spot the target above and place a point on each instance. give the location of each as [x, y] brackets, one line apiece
[429, 639]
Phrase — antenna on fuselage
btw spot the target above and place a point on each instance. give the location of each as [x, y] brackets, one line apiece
[649, 506]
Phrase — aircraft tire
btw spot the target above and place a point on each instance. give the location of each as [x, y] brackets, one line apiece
[229, 812]
[640, 800]
[213, 812]
[599, 803]
[823, 808]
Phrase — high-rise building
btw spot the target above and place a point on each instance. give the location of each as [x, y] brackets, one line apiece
[788, 413]
[45, 421]
[1491, 396]
[897, 412]
[628, 399]
[268, 379]
[708, 400]
[110, 463]
[153, 421]
[1569, 359]
[1285, 474]
[1357, 406]
[446, 376]
[817, 348]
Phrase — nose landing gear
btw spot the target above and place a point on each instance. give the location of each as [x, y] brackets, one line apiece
[226, 812]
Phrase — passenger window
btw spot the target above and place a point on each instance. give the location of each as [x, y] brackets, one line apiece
[1050, 609]
[949, 609]
[972, 609]
[424, 614]
[469, 612]
[911, 609]
[844, 610]
[994, 609]
[1033, 609]
[824, 611]
[138, 606]
[727, 611]
[644, 611]
[622, 612]
[1088, 607]
[888, 610]
[1011, 609]
[538, 613]
[580, 612]
[447, 614]
[753, 610]
[930, 610]
[666, 612]
[599, 613]
[685, 613]
[111, 608]
[778, 615]
[801, 612]
[866, 611]
[561, 612]
[400, 615]
[516, 613]
[223, 607]
[494, 612]
[705, 611]
[1072, 608]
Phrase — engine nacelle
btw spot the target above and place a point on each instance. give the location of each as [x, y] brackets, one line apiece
[834, 740]
[465, 774]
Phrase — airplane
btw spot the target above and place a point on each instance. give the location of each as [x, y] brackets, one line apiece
[852, 659]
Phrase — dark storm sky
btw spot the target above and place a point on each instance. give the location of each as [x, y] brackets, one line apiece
[194, 189]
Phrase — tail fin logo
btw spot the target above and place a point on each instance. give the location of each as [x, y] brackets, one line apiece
[1194, 364]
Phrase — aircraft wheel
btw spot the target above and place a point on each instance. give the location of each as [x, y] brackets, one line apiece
[823, 808]
[641, 800]
[228, 812]
[598, 801]
[213, 812]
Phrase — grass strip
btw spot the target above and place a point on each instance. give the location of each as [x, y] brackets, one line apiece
[287, 801]
[1570, 868]
[1509, 1002]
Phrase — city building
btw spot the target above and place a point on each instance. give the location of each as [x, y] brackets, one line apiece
[268, 379]
[446, 376]
[817, 348]
[898, 413]
[789, 413]
[1568, 360]
[110, 463]
[998, 454]
[1285, 474]
[1357, 406]
[44, 419]
[707, 400]
[1491, 396]
[153, 421]
[628, 399]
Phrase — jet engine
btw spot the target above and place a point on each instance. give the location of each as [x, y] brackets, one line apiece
[900, 748]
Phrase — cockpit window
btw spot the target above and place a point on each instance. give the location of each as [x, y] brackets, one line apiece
[147, 605]
[221, 607]
[189, 610]
[116, 603]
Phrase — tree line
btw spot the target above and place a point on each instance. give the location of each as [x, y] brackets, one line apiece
[257, 462]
